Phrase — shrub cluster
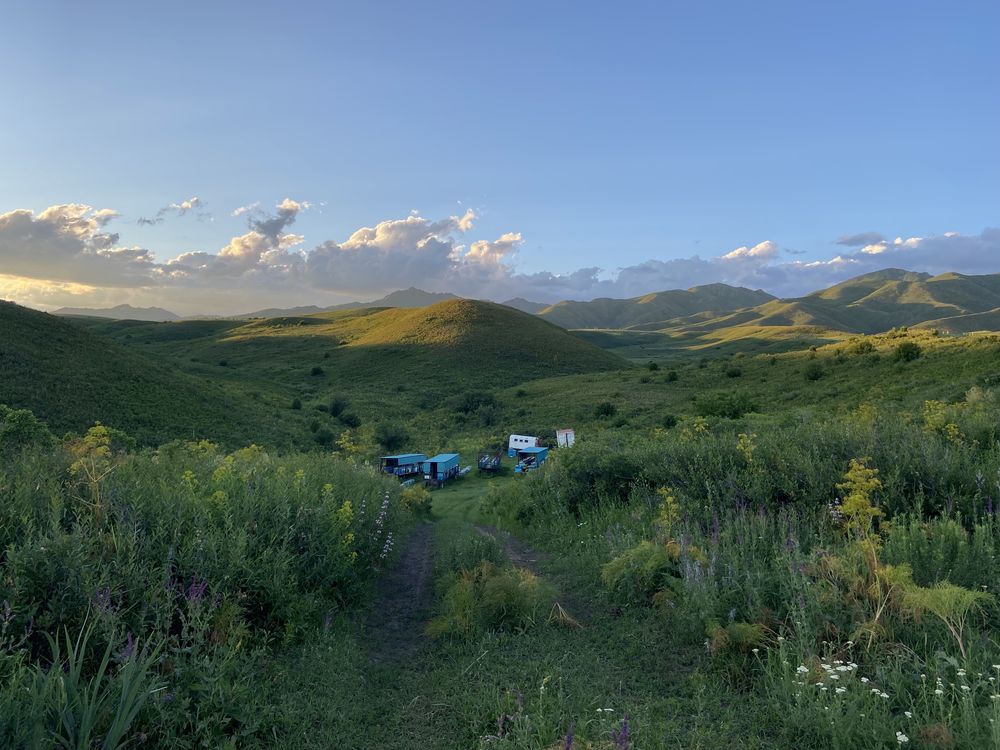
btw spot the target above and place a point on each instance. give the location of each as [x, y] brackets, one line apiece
[170, 568]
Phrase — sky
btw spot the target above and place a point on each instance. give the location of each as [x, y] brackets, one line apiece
[220, 157]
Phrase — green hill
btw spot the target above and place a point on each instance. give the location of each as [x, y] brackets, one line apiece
[650, 308]
[72, 378]
[387, 362]
[868, 304]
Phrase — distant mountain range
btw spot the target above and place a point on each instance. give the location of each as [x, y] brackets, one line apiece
[411, 297]
[654, 308]
[870, 303]
[121, 312]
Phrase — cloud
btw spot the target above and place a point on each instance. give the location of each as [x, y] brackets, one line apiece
[67, 251]
[762, 250]
[68, 243]
[178, 209]
[860, 240]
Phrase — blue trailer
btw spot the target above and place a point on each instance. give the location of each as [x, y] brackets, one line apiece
[529, 459]
[442, 467]
[404, 464]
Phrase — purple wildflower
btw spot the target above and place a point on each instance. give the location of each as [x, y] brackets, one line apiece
[568, 744]
[520, 702]
[989, 506]
[128, 650]
[196, 591]
[8, 614]
[621, 736]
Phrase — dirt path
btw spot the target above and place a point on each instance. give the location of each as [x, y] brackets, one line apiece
[525, 556]
[404, 596]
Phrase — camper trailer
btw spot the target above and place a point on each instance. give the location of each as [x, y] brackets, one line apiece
[517, 442]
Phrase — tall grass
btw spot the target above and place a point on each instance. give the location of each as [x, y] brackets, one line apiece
[206, 558]
[846, 570]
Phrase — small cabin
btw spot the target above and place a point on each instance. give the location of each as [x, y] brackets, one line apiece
[529, 459]
[404, 465]
[441, 467]
[565, 438]
[517, 442]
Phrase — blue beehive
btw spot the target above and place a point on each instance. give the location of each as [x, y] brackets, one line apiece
[441, 467]
[531, 458]
[404, 464]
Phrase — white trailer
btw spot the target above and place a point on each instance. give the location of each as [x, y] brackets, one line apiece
[517, 442]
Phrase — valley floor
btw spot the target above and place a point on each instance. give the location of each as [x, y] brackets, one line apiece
[382, 683]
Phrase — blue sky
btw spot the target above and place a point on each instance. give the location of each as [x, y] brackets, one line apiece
[600, 136]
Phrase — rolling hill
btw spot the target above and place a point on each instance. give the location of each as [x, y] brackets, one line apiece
[652, 308]
[72, 378]
[386, 361]
[411, 297]
[868, 304]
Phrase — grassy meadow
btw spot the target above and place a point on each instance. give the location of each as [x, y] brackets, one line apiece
[753, 547]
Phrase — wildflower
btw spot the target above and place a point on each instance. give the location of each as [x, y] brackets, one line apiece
[864, 679]
[568, 744]
[802, 669]
[835, 677]
[939, 691]
[840, 690]
[908, 714]
[621, 736]
[965, 688]
[901, 738]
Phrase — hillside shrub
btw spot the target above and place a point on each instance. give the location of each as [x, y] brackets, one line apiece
[316, 371]
[605, 409]
[391, 435]
[814, 371]
[727, 404]
[296, 403]
[671, 376]
[338, 405]
[473, 401]
[20, 429]
[350, 420]
[733, 372]
[907, 351]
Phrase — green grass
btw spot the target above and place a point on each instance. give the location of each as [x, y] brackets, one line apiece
[71, 379]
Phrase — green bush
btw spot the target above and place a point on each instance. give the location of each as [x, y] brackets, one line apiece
[907, 351]
[731, 405]
[671, 376]
[733, 372]
[814, 371]
[490, 597]
[605, 409]
[338, 405]
[391, 435]
[350, 420]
